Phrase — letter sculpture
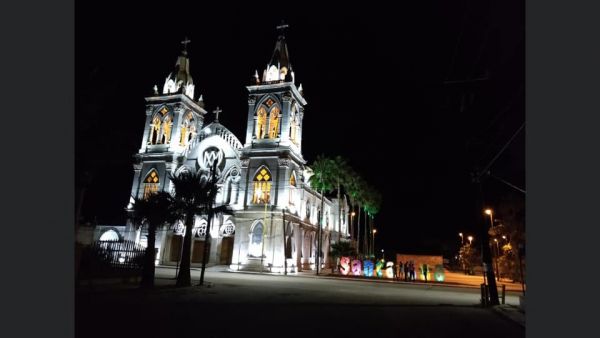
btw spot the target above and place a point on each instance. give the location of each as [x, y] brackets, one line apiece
[389, 270]
[378, 268]
[356, 267]
[368, 268]
[344, 265]
[439, 273]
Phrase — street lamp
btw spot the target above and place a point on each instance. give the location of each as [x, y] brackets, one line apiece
[383, 254]
[462, 240]
[470, 238]
[490, 213]
[497, 255]
[352, 224]
[373, 242]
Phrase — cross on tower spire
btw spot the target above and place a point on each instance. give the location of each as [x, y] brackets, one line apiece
[217, 112]
[185, 43]
[281, 28]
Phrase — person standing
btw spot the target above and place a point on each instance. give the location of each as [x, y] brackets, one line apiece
[425, 271]
[406, 271]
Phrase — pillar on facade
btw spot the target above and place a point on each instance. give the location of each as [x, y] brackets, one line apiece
[298, 235]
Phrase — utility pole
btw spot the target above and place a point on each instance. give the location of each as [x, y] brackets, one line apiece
[485, 242]
[486, 252]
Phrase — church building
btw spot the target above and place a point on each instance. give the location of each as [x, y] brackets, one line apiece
[265, 179]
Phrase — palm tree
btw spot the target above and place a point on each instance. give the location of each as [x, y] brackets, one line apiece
[362, 199]
[156, 210]
[322, 181]
[190, 196]
[372, 208]
[355, 199]
[340, 169]
[194, 195]
[354, 191]
[342, 249]
[367, 200]
[212, 210]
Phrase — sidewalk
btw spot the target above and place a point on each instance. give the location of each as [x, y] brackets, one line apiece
[511, 312]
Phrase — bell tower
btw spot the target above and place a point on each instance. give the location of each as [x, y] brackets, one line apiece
[272, 153]
[276, 105]
[173, 119]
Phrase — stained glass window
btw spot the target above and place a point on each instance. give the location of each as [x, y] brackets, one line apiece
[262, 186]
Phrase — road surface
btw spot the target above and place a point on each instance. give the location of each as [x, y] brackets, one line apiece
[254, 305]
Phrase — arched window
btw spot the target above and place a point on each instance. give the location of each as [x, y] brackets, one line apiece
[188, 129]
[200, 228]
[262, 186]
[272, 73]
[261, 123]
[151, 183]
[109, 236]
[274, 122]
[292, 188]
[166, 130]
[154, 130]
[160, 128]
[294, 125]
[256, 238]
[228, 228]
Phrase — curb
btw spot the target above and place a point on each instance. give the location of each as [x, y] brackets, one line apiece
[370, 280]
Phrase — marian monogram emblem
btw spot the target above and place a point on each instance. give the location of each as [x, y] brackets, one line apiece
[211, 155]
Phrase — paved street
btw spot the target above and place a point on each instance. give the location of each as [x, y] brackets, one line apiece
[265, 305]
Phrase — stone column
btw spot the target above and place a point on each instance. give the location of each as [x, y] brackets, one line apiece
[298, 236]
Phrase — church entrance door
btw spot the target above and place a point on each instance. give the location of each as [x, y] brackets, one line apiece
[226, 250]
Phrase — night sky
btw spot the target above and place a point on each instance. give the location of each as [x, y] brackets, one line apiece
[414, 96]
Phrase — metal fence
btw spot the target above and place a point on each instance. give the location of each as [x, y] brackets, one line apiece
[112, 259]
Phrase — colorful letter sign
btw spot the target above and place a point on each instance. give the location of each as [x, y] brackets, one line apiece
[389, 270]
[439, 273]
[356, 267]
[344, 265]
[378, 268]
[368, 268]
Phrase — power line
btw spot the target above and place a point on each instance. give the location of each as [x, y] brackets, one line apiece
[501, 151]
[507, 183]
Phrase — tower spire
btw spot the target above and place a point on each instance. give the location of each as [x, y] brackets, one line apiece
[279, 67]
[180, 79]
[185, 43]
[281, 28]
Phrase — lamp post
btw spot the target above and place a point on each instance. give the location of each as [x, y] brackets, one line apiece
[373, 242]
[490, 213]
[497, 255]
[352, 224]
[383, 254]
[470, 238]
[462, 243]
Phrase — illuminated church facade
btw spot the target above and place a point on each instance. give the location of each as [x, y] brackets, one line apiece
[264, 179]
